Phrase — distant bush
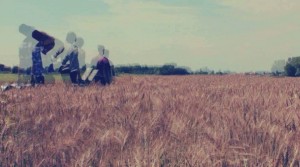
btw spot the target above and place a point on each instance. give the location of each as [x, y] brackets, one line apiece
[292, 67]
[1, 67]
[201, 72]
[15, 69]
[290, 70]
[151, 70]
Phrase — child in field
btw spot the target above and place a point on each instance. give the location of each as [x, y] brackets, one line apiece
[104, 74]
[37, 67]
[36, 44]
[72, 58]
[100, 69]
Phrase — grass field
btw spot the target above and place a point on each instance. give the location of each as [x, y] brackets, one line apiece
[8, 77]
[231, 120]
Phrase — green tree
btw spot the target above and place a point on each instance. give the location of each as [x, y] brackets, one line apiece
[290, 70]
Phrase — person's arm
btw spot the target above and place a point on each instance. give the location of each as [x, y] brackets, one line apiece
[66, 59]
[58, 49]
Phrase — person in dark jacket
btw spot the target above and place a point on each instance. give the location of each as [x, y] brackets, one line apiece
[37, 76]
[74, 69]
[103, 67]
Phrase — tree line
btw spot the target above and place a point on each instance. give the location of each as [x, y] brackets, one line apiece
[167, 69]
[289, 67]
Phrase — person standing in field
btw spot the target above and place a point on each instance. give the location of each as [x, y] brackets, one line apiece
[36, 44]
[104, 74]
[72, 58]
[37, 66]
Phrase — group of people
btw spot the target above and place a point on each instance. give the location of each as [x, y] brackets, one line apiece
[68, 57]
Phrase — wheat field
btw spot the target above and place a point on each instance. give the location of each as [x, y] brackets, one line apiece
[223, 121]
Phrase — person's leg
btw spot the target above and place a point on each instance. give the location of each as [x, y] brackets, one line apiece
[98, 76]
[40, 79]
[103, 80]
[37, 67]
[73, 77]
[103, 74]
[108, 74]
[32, 80]
[79, 79]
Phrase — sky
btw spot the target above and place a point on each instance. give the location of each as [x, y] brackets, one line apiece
[235, 35]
